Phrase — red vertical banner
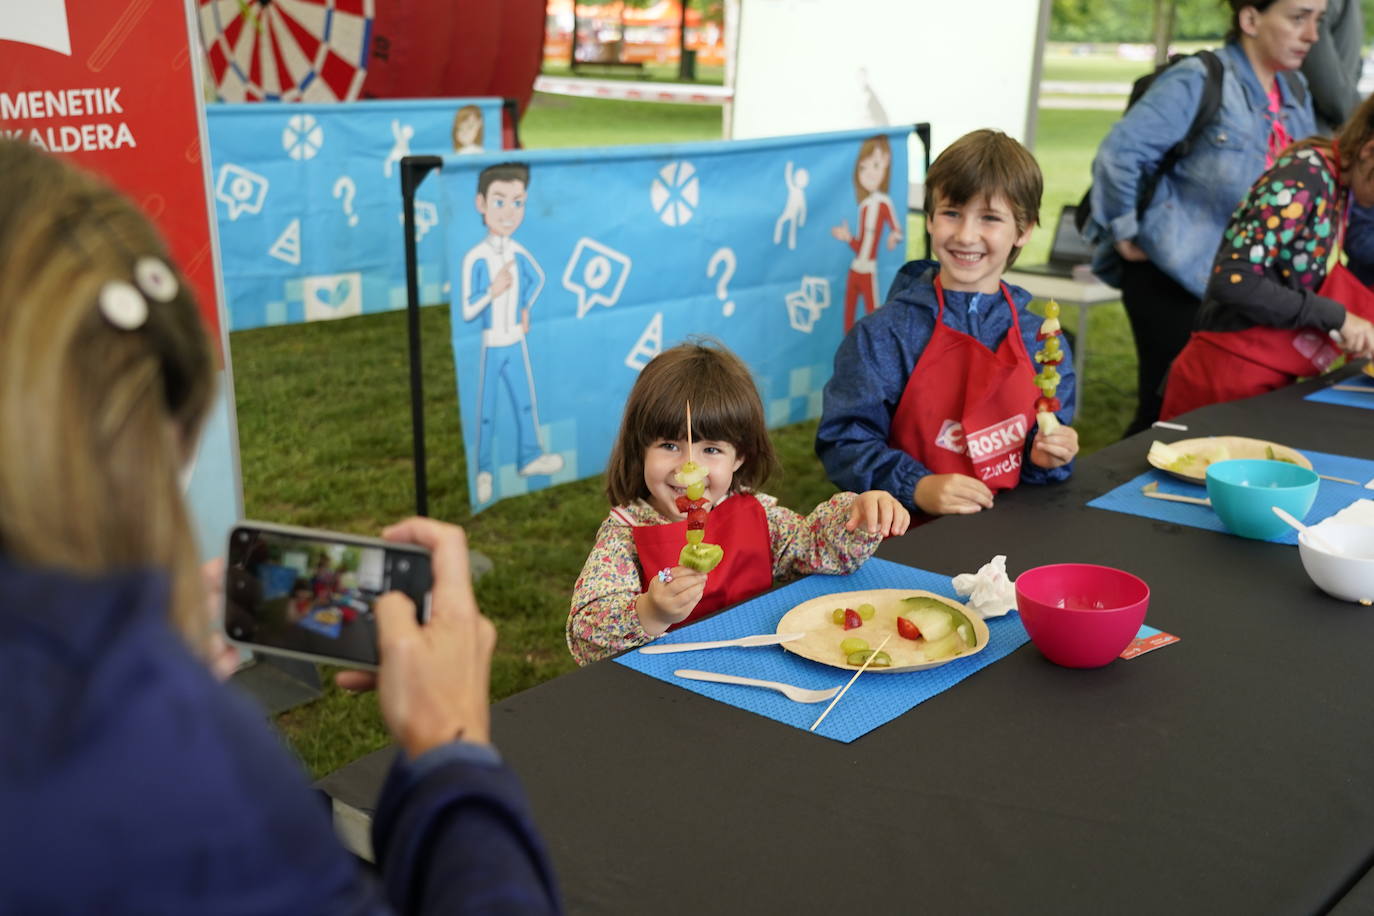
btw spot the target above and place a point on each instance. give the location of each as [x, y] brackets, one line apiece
[111, 85]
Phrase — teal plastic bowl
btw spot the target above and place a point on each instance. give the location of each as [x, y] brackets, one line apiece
[1244, 492]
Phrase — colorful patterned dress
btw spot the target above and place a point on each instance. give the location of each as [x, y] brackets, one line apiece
[603, 619]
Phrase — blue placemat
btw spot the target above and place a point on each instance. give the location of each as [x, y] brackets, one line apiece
[874, 699]
[1332, 497]
[1329, 395]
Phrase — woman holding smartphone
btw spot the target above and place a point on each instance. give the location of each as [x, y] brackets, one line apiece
[131, 780]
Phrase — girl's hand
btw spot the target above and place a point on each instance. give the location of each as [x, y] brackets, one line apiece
[952, 494]
[894, 239]
[1055, 450]
[667, 603]
[841, 232]
[880, 513]
[1357, 336]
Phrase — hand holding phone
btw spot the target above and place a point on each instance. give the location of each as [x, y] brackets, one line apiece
[312, 594]
[434, 681]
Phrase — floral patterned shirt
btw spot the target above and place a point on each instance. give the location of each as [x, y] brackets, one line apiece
[603, 619]
[1273, 255]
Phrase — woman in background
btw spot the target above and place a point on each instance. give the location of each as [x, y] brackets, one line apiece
[1161, 259]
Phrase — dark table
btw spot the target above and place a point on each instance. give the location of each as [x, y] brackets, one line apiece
[1229, 773]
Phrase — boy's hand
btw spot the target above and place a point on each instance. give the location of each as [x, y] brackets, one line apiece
[1055, 450]
[667, 603]
[880, 513]
[952, 494]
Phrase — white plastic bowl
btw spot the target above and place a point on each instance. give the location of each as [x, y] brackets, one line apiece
[1349, 577]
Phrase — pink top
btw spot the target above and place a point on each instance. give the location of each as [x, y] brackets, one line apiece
[1278, 134]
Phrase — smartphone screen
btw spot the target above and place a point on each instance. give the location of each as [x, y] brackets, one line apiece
[311, 594]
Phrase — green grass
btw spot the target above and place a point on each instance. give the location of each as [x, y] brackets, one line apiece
[1094, 68]
[324, 430]
[561, 120]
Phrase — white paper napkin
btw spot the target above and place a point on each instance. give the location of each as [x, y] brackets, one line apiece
[989, 591]
[1360, 512]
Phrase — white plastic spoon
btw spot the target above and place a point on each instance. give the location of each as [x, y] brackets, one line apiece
[1316, 539]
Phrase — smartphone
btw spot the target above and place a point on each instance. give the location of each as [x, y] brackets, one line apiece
[309, 594]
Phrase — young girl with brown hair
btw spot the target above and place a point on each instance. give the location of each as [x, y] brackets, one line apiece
[632, 589]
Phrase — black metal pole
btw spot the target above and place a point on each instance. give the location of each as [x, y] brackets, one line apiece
[413, 171]
[510, 108]
[922, 129]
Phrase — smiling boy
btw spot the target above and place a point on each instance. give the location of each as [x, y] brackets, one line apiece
[932, 397]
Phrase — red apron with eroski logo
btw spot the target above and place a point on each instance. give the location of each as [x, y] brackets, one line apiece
[967, 409]
[1220, 366]
[740, 526]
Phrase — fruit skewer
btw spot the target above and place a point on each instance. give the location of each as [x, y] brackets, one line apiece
[1049, 356]
[696, 554]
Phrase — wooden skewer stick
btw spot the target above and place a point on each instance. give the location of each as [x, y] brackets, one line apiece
[1339, 479]
[868, 661]
[689, 430]
[1362, 388]
[1152, 490]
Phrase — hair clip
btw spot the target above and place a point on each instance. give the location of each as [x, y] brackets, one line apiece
[156, 279]
[123, 306]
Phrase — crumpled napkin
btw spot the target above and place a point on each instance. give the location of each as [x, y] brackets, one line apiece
[1360, 512]
[989, 590]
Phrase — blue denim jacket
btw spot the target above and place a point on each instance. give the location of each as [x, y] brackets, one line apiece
[1184, 223]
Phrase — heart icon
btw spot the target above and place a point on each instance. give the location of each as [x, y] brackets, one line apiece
[334, 297]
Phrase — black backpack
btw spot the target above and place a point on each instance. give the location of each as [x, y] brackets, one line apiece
[1207, 108]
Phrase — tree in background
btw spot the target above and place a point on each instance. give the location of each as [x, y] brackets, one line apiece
[1135, 20]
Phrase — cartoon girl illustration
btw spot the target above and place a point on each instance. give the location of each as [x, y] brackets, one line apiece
[467, 129]
[872, 169]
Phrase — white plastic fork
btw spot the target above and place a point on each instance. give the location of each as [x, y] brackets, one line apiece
[791, 691]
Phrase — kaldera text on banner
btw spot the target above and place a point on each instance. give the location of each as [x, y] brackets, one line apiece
[39, 104]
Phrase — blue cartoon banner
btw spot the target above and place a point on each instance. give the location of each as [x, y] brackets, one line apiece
[308, 203]
[572, 269]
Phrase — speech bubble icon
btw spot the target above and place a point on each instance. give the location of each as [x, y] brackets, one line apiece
[596, 274]
[241, 190]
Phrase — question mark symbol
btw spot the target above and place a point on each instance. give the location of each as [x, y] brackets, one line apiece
[725, 257]
[346, 189]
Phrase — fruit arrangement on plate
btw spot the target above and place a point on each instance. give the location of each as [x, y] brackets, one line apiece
[1188, 458]
[926, 629]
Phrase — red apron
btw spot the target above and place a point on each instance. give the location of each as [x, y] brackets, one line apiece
[975, 423]
[1220, 366]
[740, 526]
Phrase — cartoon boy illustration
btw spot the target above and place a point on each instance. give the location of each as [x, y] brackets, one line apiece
[502, 280]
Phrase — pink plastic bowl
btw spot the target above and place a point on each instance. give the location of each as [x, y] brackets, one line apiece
[1080, 615]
